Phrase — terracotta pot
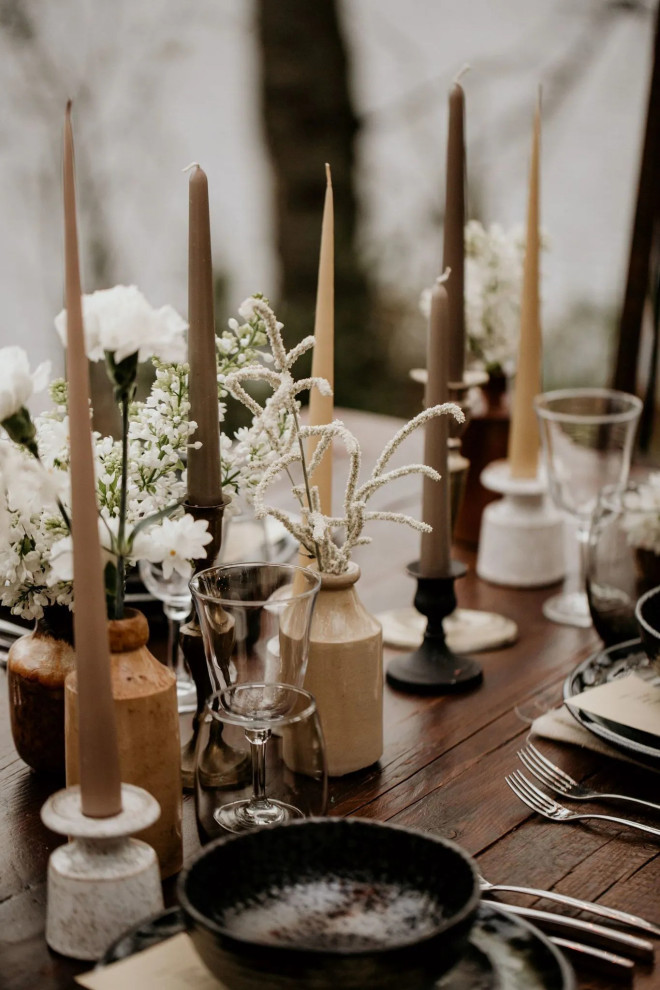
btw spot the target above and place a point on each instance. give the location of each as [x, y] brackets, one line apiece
[345, 674]
[147, 728]
[37, 666]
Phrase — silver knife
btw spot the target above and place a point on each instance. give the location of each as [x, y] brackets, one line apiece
[597, 960]
[622, 943]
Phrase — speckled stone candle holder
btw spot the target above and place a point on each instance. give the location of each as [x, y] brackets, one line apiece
[102, 882]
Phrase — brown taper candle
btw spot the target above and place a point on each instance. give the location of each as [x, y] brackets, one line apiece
[321, 406]
[99, 756]
[435, 553]
[204, 480]
[524, 433]
[454, 243]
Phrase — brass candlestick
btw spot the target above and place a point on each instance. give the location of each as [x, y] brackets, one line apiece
[225, 760]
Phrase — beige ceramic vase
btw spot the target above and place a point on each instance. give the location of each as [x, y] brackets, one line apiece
[37, 666]
[147, 729]
[345, 674]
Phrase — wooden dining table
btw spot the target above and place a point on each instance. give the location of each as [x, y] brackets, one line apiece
[442, 770]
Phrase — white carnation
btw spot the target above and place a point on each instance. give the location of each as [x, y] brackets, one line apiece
[120, 320]
[17, 383]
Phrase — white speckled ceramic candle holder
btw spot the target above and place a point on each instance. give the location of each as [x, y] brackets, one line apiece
[521, 542]
[101, 882]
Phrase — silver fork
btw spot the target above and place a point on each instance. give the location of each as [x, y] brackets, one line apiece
[562, 783]
[544, 805]
[612, 914]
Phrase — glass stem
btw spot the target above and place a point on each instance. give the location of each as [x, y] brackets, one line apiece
[583, 546]
[258, 739]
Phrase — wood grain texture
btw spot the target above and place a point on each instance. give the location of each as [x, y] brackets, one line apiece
[442, 770]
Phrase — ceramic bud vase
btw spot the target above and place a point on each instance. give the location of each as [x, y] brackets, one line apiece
[145, 697]
[345, 674]
[37, 666]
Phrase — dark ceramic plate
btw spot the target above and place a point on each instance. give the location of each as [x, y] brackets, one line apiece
[599, 668]
[504, 953]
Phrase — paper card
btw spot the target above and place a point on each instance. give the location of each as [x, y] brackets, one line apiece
[170, 965]
[628, 701]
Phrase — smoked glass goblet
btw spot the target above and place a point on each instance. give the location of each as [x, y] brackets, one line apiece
[587, 436]
[276, 729]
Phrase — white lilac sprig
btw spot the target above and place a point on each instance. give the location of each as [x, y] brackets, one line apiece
[329, 539]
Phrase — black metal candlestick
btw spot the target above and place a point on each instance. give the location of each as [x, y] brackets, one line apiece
[434, 668]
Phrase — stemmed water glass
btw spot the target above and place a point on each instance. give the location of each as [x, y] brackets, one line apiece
[255, 620]
[175, 596]
[277, 728]
[587, 436]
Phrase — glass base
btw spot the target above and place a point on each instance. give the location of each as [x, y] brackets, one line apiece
[245, 816]
[570, 609]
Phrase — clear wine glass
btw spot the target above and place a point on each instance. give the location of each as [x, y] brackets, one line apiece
[587, 436]
[255, 620]
[175, 596]
[283, 775]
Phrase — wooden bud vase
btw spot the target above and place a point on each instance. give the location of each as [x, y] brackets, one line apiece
[144, 691]
[345, 674]
[37, 667]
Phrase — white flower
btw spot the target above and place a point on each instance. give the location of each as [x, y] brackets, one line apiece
[17, 384]
[174, 543]
[120, 320]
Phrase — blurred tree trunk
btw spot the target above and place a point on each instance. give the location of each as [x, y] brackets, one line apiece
[309, 120]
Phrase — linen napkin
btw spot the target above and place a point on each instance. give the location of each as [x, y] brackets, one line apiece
[559, 725]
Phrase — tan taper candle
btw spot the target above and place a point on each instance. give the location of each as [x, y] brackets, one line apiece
[524, 434]
[204, 480]
[454, 239]
[435, 553]
[100, 785]
[323, 361]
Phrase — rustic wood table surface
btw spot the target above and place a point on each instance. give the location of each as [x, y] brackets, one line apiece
[442, 770]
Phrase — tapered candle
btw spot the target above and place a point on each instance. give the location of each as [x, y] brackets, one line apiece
[204, 480]
[323, 361]
[99, 755]
[435, 555]
[454, 234]
[524, 435]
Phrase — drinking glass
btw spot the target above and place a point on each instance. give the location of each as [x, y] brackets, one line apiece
[255, 620]
[587, 436]
[174, 593]
[282, 775]
[618, 572]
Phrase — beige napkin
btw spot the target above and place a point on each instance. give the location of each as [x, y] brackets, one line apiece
[559, 725]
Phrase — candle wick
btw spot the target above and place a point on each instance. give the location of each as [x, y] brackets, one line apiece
[69, 104]
[192, 165]
[328, 174]
[539, 97]
[441, 279]
[461, 72]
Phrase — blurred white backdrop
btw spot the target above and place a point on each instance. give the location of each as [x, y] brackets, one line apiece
[157, 84]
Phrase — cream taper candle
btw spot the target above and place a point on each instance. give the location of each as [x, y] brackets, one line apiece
[321, 407]
[100, 785]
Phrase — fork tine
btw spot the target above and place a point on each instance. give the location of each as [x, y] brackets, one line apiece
[540, 799]
[522, 795]
[568, 780]
[539, 771]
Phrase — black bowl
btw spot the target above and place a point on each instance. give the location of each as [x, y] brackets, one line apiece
[330, 903]
[647, 613]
